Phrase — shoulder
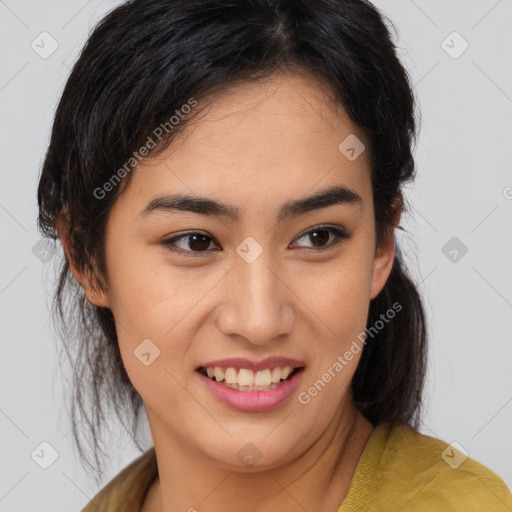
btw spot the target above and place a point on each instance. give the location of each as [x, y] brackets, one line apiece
[433, 470]
[127, 490]
[402, 469]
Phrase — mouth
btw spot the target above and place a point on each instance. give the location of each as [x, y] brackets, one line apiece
[246, 379]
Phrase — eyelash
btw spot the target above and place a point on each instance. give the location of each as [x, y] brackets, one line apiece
[339, 234]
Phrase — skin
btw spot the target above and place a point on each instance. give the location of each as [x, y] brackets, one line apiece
[258, 146]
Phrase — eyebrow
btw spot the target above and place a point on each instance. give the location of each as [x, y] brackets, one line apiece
[205, 206]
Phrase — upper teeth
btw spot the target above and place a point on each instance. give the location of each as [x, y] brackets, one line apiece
[246, 377]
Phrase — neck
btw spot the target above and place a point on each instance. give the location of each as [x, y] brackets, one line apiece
[317, 480]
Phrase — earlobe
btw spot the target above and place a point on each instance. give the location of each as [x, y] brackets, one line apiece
[385, 253]
[94, 295]
[97, 297]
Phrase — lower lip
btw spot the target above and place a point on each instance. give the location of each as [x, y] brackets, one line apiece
[253, 400]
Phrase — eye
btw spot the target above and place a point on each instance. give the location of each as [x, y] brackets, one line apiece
[320, 235]
[196, 243]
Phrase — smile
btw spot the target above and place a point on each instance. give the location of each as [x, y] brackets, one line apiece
[246, 390]
[245, 379]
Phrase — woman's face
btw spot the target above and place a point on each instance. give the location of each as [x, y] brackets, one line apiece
[267, 283]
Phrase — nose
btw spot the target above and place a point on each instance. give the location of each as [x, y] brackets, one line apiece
[257, 303]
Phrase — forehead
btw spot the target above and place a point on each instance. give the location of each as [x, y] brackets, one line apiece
[296, 102]
[269, 140]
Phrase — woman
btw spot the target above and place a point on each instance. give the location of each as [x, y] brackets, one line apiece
[225, 178]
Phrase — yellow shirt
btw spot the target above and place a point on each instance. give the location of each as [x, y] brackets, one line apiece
[399, 470]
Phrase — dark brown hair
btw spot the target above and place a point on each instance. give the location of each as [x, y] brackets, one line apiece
[140, 65]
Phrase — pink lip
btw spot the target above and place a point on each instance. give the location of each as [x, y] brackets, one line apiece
[240, 362]
[253, 400]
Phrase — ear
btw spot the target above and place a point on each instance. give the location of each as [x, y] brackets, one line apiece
[385, 253]
[93, 294]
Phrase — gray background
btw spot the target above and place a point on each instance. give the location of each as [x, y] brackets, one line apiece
[463, 190]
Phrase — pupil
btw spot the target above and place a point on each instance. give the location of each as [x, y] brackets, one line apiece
[316, 238]
[194, 239]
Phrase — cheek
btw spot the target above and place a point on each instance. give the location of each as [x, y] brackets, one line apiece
[150, 306]
[339, 295]
[340, 312]
[338, 298]
[149, 296]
